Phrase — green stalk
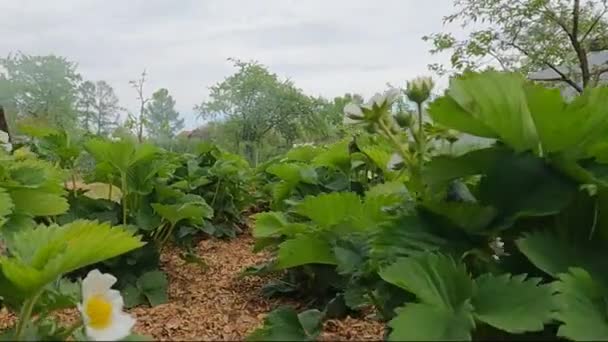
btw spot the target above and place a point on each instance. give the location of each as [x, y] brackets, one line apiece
[421, 141]
[377, 304]
[168, 232]
[124, 197]
[415, 168]
[73, 328]
[73, 182]
[217, 189]
[26, 315]
[404, 154]
[110, 192]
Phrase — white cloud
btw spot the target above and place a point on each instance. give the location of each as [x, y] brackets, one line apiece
[327, 47]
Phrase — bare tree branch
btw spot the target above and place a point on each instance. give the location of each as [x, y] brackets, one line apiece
[593, 24]
[598, 73]
[581, 54]
[139, 88]
[499, 59]
[551, 15]
[563, 77]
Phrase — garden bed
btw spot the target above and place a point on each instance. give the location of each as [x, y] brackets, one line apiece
[215, 303]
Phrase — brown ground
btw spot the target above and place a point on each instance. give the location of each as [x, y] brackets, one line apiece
[216, 304]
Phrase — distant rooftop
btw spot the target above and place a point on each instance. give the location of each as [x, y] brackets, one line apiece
[597, 59]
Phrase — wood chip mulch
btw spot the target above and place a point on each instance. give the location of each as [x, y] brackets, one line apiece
[215, 303]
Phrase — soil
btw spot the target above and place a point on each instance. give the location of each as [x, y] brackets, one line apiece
[216, 303]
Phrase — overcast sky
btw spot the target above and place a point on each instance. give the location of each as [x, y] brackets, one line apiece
[327, 47]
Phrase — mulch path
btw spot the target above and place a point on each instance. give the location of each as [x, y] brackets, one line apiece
[215, 303]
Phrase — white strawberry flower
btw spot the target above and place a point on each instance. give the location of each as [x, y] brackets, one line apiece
[101, 308]
[378, 100]
[395, 160]
[392, 95]
[3, 137]
[353, 111]
[378, 106]
[386, 98]
[4, 142]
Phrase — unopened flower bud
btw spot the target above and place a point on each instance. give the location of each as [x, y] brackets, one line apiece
[419, 90]
[403, 119]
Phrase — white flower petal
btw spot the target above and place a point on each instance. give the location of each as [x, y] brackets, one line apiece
[97, 283]
[349, 121]
[368, 106]
[353, 109]
[377, 99]
[392, 95]
[105, 325]
[121, 326]
[395, 159]
[3, 137]
[114, 297]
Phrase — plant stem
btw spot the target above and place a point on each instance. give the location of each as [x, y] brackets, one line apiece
[376, 303]
[168, 232]
[217, 189]
[73, 328]
[73, 182]
[124, 197]
[421, 138]
[25, 315]
[110, 192]
[395, 141]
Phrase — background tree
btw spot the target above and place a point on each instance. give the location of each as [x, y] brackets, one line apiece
[326, 123]
[527, 35]
[44, 87]
[163, 121]
[138, 85]
[85, 104]
[259, 103]
[105, 109]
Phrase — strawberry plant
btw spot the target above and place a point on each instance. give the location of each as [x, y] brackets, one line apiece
[162, 195]
[502, 241]
[223, 180]
[37, 253]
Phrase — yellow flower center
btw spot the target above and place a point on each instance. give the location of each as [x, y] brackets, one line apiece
[99, 311]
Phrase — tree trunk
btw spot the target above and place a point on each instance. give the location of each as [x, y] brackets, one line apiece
[140, 132]
[581, 54]
[250, 152]
[4, 123]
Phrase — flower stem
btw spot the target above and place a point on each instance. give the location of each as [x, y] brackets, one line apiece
[378, 305]
[167, 235]
[110, 192]
[395, 141]
[415, 181]
[124, 198]
[25, 315]
[217, 189]
[73, 174]
[73, 328]
[421, 138]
